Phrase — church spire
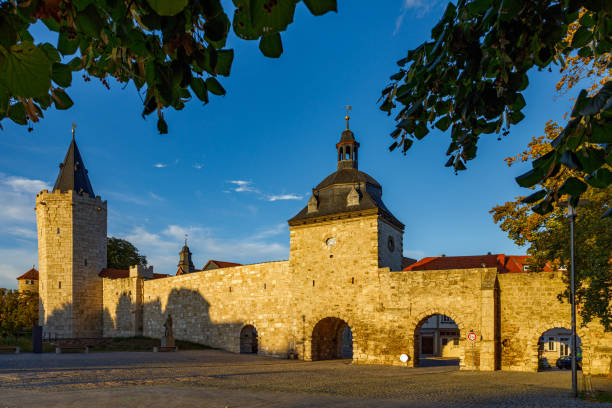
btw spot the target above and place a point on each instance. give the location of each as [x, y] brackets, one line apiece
[73, 174]
[347, 147]
[185, 263]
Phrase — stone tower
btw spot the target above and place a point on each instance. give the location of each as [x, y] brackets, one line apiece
[185, 264]
[346, 225]
[71, 223]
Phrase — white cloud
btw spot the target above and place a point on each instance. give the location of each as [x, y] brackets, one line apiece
[284, 197]
[247, 186]
[25, 185]
[156, 197]
[421, 7]
[160, 165]
[162, 247]
[198, 166]
[243, 186]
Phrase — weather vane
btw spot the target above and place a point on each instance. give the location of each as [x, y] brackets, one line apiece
[73, 129]
[347, 117]
[186, 239]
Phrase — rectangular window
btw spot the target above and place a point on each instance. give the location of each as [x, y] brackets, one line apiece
[85, 261]
[551, 344]
[60, 285]
[564, 347]
[456, 342]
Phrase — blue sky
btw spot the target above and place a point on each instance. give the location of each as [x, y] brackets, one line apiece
[230, 174]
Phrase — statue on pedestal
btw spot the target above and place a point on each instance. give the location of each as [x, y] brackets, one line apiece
[168, 338]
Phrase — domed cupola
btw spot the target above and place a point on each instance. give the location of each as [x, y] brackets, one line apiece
[347, 149]
[346, 192]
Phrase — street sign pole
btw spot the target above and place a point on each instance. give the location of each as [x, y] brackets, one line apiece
[472, 338]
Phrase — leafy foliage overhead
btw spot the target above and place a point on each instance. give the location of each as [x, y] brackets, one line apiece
[169, 49]
[471, 76]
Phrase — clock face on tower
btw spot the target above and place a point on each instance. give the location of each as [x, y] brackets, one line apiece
[391, 244]
[330, 242]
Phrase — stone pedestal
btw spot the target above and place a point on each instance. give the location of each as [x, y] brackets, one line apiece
[167, 341]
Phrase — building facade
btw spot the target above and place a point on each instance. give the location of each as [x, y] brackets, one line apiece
[341, 293]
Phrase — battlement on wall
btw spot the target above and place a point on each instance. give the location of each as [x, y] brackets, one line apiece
[70, 193]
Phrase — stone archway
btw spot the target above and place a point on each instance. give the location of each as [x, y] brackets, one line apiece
[248, 340]
[458, 341]
[332, 338]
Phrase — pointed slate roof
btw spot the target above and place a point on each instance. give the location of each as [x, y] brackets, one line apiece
[73, 174]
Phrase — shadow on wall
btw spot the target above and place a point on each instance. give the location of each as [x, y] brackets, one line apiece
[191, 320]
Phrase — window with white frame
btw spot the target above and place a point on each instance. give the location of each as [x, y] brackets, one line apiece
[551, 344]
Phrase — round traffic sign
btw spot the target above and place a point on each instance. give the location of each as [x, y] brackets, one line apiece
[471, 336]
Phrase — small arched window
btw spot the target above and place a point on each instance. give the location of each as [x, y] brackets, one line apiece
[348, 153]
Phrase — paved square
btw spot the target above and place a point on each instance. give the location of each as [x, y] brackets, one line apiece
[210, 378]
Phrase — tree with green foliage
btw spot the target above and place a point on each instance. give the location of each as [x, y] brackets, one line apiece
[18, 311]
[471, 76]
[121, 254]
[170, 49]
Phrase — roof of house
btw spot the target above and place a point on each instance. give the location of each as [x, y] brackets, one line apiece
[503, 263]
[32, 274]
[73, 174]
[123, 273]
[219, 264]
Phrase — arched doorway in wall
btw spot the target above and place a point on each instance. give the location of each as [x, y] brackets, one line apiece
[437, 342]
[332, 338]
[248, 340]
[555, 349]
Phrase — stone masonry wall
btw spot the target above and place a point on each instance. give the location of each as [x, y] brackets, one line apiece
[529, 307]
[121, 307]
[388, 258]
[211, 307]
[72, 251]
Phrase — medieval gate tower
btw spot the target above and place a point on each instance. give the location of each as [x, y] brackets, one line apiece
[71, 223]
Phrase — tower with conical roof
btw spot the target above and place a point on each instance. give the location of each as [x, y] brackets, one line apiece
[71, 224]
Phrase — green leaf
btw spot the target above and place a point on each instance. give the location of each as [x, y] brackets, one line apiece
[532, 177]
[216, 29]
[570, 160]
[587, 20]
[477, 7]
[537, 196]
[214, 86]
[420, 131]
[590, 158]
[26, 71]
[51, 24]
[601, 178]
[582, 36]
[51, 52]
[75, 64]
[199, 88]
[543, 207]
[320, 7]
[591, 106]
[17, 113]
[573, 187]
[162, 126]
[224, 62]
[62, 100]
[90, 22]
[271, 45]
[254, 18]
[61, 75]
[66, 45]
[443, 123]
[601, 133]
[516, 117]
[168, 8]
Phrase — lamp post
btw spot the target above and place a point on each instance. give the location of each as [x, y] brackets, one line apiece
[571, 214]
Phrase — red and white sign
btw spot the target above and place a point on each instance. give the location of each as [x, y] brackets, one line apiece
[472, 336]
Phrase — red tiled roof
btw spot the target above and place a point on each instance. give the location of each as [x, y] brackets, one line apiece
[31, 274]
[220, 264]
[122, 273]
[114, 273]
[406, 262]
[503, 263]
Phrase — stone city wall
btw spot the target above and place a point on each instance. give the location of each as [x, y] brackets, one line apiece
[529, 307]
[211, 307]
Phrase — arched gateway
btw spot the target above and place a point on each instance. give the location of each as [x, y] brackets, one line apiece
[332, 338]
[248, 340]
